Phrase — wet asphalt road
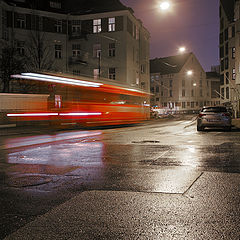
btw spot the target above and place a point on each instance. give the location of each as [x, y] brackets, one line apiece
[42, 169]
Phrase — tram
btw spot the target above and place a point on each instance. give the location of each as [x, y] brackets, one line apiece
[85, 102]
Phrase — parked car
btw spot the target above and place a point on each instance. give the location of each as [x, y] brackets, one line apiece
[215, 116]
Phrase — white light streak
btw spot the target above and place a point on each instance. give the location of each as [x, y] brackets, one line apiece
[31, 114]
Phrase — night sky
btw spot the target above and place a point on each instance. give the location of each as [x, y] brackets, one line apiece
[191, 23]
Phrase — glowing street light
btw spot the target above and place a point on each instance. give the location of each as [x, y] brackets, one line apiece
[164, 5]
[182, 49]
[189, 72]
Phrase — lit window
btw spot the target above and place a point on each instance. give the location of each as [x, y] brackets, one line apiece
[96, 73]
[233, 52]
[112, 73]
[111, 24]
[97, 28]
[233, 74]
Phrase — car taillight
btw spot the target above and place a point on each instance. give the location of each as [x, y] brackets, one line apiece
[201, 115]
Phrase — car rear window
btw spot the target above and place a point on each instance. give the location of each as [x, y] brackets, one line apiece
[214, 109]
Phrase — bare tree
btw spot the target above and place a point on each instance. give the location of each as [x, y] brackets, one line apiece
[11, 62]
[39, 52]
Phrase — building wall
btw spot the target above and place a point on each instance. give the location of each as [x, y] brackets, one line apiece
[188, 92]
[56, 32]
[229, 51]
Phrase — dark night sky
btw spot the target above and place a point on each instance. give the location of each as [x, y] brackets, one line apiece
[192, 23]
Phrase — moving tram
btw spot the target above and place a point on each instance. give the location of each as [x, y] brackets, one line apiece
[82, 101]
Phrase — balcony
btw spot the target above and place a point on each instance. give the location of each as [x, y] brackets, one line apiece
[78, 60]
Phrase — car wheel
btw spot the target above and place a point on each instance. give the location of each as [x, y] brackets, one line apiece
[199, 128]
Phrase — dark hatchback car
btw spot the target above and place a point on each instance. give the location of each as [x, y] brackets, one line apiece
[216, 116]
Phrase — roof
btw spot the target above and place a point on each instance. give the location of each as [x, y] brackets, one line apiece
[212, 75]
[228, 7]
[82, 7]
[79, 7]
[168, 65]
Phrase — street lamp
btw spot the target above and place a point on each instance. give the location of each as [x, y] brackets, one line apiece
[189, 72]
[182, 49]
[164, 5]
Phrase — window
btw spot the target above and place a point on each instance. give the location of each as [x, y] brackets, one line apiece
[201, 93]
[233, 74]
[183, 83]
[227, 92]
[226, 63]
[97, 28]
[111, 24]
[170, 93]
[192, 104]
[192, 93]
[58, 26]
[183, 93]
[97, 50]
[157, 89]
[233, 52]
[170, 83]
[222, 52]
[200, 83]
[112, 73]
[222, 93]
[111, 50]
[20, 48]
[221, 79]
[222, 65]
[21, 21]
[221, 38]
[76, 26]
[183, 104]
[96, 73]
[226, 34]
[226, 48]
[143, 68]
[58, 51]
[157, 99]
[55, 4]
[161, 93]
[152, 89]
[76, 50]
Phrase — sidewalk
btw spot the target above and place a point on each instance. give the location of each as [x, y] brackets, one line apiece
[208, 209]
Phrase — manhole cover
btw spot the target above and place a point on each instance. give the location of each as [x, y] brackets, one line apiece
[146, 141]
[28, 181]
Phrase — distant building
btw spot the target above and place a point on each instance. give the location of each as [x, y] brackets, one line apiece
[174, 87]
[229, 49]
[214, 79]
[99, 39]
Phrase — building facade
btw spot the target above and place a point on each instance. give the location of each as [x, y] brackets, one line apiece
[84, 38]
[179, 83]
[229, 50]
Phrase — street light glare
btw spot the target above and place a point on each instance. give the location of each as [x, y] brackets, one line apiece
[189, 73]
[182, 49]
[165, 5]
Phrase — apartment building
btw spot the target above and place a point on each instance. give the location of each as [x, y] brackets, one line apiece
[89, 38]
[179, 83]
[229, 50]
